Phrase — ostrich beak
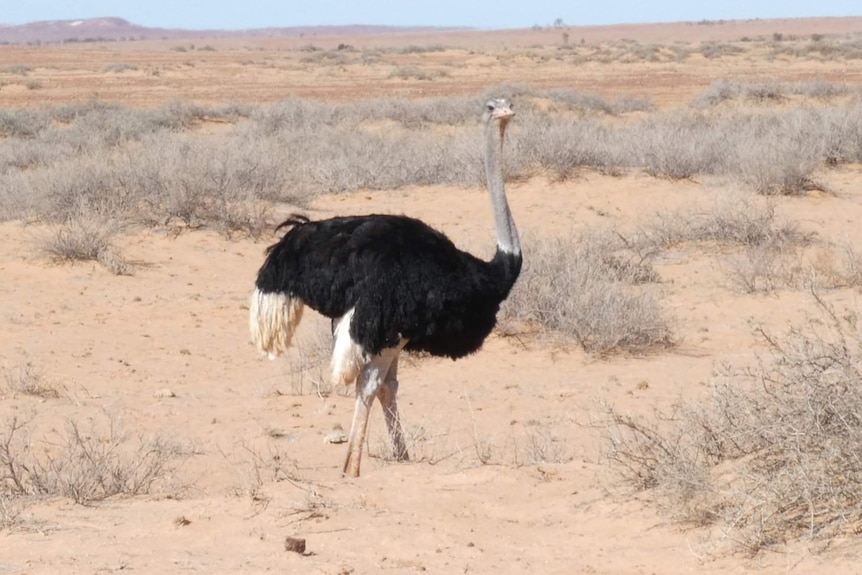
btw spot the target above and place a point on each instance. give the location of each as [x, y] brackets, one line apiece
[503, 113]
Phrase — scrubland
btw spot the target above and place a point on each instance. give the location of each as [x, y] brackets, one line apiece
[678, 361]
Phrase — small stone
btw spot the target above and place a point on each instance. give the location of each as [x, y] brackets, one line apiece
[335, 437]
[164, 393]
[294, 544]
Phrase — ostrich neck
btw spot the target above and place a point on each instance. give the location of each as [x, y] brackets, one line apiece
[507, 233]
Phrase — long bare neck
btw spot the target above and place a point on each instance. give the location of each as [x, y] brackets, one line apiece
[507, 233]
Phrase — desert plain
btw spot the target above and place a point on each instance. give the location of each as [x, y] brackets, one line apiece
[133, 367]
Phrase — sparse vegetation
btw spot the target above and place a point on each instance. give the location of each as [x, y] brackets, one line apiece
[584, 287]
[417, 73]
[308, 358]
[416, 49]
[85, 465]
[27, 379]
[258, 467]
[83, 237]
[735, 219]
[149, 166]
[10, 512]
[767, 92]
[118, 68]
[712, 50]
[541, 445]
[325, 57]
[16, 69]
[692, 221]
[772, 454]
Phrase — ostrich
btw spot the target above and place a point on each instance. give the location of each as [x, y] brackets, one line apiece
[389, 283]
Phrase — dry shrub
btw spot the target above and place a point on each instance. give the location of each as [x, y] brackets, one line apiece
[785, 264]
[765, 268]
[731, 219]
[770, 153]
[778, 155]
[712, 50]
[717, 92]
[842, 129]
[118, 68]
[563, 147]
[770, 255]
[258, 466]
[846, 47]
[416, 73]
[542, 445]
[308, 361]
[85, 465]
[10, 512]
[94, 186]
[19, 69]
[773, 454]
[271, 465]
[221, 185]
[149, 166]
[774, 152]
[766, 92]
[585, 102]
[417, 49]
[847, 271]
[24, 123]
[423, 445]
[678, 146]
[84, 237]
[321, 57]
[27, 379]
[584, 288]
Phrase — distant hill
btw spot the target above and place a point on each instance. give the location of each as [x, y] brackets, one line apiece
[101, 29]
[114, 29]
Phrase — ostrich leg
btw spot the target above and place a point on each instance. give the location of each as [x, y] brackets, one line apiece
[367, 385]
[387, 394]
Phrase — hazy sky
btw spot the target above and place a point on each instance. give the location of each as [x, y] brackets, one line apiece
[233, 14]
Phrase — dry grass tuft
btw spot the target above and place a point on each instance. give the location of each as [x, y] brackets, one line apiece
[585, 288]
[86, 237]
[542, 445]
[767, 267]
[85, 465]
[27, 379]
[10, 512]
[153, 167]
[773, 454]
[308, 361]
[732, 219]
[767, 92]
[260, 466]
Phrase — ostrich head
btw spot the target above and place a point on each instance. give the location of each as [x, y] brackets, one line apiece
[499, 111]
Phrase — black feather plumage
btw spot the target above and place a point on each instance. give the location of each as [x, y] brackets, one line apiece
[403, 278]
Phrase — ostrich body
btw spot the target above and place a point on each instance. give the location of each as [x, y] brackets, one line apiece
[388, 283]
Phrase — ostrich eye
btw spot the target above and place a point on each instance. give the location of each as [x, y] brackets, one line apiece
[490, 107]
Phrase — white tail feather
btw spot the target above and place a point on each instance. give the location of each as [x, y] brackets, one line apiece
[272, 319]
[347, 355]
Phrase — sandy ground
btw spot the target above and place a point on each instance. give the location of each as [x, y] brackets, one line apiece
[179, 323]
[258, 469]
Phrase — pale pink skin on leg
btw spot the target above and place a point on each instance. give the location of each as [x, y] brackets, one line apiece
[387, 394]
[371, 380]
